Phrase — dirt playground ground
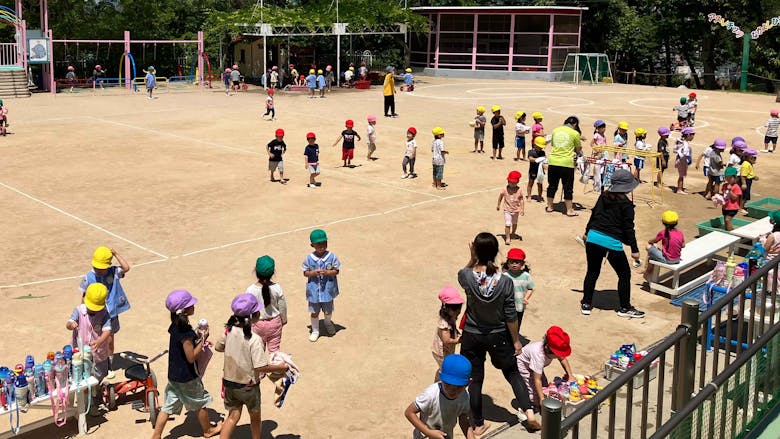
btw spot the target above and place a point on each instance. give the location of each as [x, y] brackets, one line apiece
[179, 186]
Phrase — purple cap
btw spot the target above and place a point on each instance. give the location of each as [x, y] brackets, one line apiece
[739, 144]
[663, 131]
[737, 139]
[598, 123]
[244, 305]
[719, 144]
[751, 152]
[687, 130]
[179, 300]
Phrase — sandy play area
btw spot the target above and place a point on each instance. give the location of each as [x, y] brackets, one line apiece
[179, 185]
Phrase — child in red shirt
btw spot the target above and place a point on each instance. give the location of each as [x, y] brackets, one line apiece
[672, 242]
[731, 195]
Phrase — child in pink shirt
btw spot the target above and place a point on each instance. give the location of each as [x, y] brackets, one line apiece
[732, 193]
[672, 242]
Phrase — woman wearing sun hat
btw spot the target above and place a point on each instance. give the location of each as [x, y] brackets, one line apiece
[610, 227]
[566, 144]
[538, 355]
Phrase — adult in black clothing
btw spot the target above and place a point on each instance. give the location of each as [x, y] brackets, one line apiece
[611, 225]
[491, 327]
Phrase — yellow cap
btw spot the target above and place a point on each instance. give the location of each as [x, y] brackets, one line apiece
[311, 71]
[537, 115]
[351, 68]
[319, 72]
[437, 131]
[408, 70]
[519, 114]
[540, 141]
[95, 296]
[102, 258]
[640, 132]
[623, 125]
[495, 108]
[670, 217]
[481, 109]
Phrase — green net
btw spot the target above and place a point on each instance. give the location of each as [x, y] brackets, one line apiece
[592, 67]
[740, 402]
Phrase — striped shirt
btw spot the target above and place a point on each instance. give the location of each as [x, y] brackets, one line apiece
[771, 126]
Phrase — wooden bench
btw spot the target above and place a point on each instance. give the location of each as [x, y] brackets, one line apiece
[751, 232]
[694, 253]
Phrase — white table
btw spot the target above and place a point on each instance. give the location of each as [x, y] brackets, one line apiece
[694, 253]
[751, 232]
[39, 412]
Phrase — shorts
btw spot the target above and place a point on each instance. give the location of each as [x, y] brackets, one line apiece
[190, 395]
[730, 212]
[682, 118]
[314, 168]
[248, 396]
[639, 163]
[371, 147]
[326, 307]
[114, 325]
[655, 254]
[532, 175]
[347, 153]
[510, 218]
[273, 166]
[479, 135]
[772, 140]
[438, 172]
[498, 141]
[706, 171]
[520, 142]
[236, 83]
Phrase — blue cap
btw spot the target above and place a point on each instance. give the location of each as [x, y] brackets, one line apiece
[455, 370]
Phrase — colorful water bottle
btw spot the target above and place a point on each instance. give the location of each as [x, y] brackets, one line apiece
[48, 370]
[86, 356]
[40, 380]
[67, 353]
[22, 392]
[61, 371]
[731, 265]
[77, 368]
[50, 356]
[4, 374]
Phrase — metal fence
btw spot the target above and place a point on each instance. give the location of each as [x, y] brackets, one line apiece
[709, 348]
[9, 54]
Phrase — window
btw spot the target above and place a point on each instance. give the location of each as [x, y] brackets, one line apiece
[493, 23]
[532, 23]
[419, 41]
[456, 43]
[494, 60]
[567, 23]
[457, 22]
[531, 44]
[455, 60]
[559, 57]
[493, 43]
[540, 61]
[565, 40]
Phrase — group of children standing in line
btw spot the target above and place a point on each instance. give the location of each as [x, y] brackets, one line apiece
[251, 340]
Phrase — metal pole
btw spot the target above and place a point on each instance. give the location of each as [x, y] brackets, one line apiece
[745, 58]
[267, 79]
[551, 418]
[686, 369]
[338, 60]
[201, 51]
[128, 79]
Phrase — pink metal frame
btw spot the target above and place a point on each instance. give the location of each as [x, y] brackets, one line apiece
[510, 65]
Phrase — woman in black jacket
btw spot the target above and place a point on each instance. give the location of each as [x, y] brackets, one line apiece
[611, 225]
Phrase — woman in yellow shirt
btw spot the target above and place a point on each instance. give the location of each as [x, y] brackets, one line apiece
[389, 92]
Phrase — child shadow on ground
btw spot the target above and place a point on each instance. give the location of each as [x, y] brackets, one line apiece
[189, 425]
[494, 413]
[514, 236]
[268, 426]
[561, 207]
[607, 300]
[324, 332]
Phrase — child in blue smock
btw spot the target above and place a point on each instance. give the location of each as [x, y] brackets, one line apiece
[321, 83]
[321, 268]
[311, 83]
[151, 81]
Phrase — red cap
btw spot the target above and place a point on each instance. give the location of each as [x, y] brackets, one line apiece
[412, 130]
[692, 95]
[514, 176]
[271, 91]
[449, 295]
[557, 341]
[310, 136]
[350, 123]
[280, 133]
[516, 254]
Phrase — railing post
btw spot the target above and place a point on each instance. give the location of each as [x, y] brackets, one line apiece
[685, 370]
[552, 410]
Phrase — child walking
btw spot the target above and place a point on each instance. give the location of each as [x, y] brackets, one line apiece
[348, 146]
[276, 149]
[311, 83]
[599, 139]
[538, 355]
[479, 130]
[109, 275]
[516, 269]
[535, 156]
[184, 388]
[521, 129]
[226, 80]
[683, 111]
[71, 77]
[321, 83]
[748, 173]
[713, 166]
[312, 160]
[732, 193]
[684, 157]
[497, 122]
[537, 129]
[439, 151]
[672, 242]
[640, 145]
[514, 205]
[770, 135]
[371, 136]
[245, 360]
[269, 105]
[443, 404]
[273, 316]
[410, 156]
[620, 139]
[447, 335]
[321, 268]
[662, 147]
[151, 81]
[693, 105]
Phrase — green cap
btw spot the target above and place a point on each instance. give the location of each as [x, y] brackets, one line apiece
[264, 266]
[731, 172]
[775, 217]
[317, 235]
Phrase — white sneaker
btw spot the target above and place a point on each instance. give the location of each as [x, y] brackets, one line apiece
[314, 336]
[330, 328]
[405, 176]
[579, 240]
[311, 185]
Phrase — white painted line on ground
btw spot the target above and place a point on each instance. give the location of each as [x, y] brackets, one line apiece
[44, 281]
[81, 220]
